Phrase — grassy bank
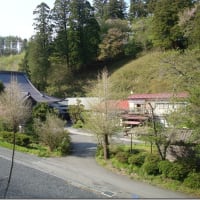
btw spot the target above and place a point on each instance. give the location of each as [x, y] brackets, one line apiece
[35, 149]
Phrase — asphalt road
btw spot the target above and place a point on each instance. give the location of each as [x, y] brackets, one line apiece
[29, 183]
[81, 176]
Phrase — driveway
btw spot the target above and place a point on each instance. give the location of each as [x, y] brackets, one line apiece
[80, 169]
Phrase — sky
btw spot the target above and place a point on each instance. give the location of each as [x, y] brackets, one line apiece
[16, 17]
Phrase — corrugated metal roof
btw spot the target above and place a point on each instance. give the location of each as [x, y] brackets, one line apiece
[158, 96]
[25, 85]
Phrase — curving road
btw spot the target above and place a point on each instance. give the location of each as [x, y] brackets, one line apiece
[80, 170]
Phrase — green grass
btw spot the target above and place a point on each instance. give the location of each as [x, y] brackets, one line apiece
[35, 149]
[11, 63]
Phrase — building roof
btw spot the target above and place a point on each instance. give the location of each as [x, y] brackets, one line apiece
[25, 85]
[158, 96]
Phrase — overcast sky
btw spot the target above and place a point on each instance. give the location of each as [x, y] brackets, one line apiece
[16, 17]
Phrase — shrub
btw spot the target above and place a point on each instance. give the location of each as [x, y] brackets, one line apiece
[99, 151]
[78, 124]
[137, 159]
[178, 171]
[122, 157]
[21, 139]
[192, 181]
[164, 167]
[65, 144]
[150, 165]
[51, 132]
[115, 149]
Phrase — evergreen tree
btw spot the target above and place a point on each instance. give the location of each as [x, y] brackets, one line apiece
[165, 24]
[42, 24]
[60, 14]
[39, 47]
[138, 8]
[83, 33]
[76, 23]
[116, 9]
[100, 9]
[166, 29]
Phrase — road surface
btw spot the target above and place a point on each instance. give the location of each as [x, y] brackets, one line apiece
[81, 170]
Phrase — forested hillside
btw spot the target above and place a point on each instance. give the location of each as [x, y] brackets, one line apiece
[75, 40]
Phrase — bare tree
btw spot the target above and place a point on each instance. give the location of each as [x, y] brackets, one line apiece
[14, 111]
[103, 119]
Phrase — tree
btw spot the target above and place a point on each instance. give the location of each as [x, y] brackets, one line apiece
[39, 47]
[14, 111]
[116, 9]
[166, 30]
[60, 15]
[75, 111]
[1, 87]
[141, 32]
[112, 45]
[103, 119]
[138, 8]
[193, 110]
[100, 9]
[83, 34]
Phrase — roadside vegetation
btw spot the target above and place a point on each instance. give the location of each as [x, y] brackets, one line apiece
[43, 134]
[140, 164]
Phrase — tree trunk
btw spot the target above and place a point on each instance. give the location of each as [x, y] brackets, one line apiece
[106, 147]
[12, 163]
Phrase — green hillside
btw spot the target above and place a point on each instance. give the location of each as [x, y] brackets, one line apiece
[148, 73]
[157, 72]
[11, 63]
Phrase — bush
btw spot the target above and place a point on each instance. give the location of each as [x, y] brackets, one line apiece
[78, 124]
[122, 157]
[65, 144]
[164, 167]
[137, 159]
[115, 149]
[192, 181]
[21, 139]
[178, 171]
[51, 132]
[150, 165]
[99, 151]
